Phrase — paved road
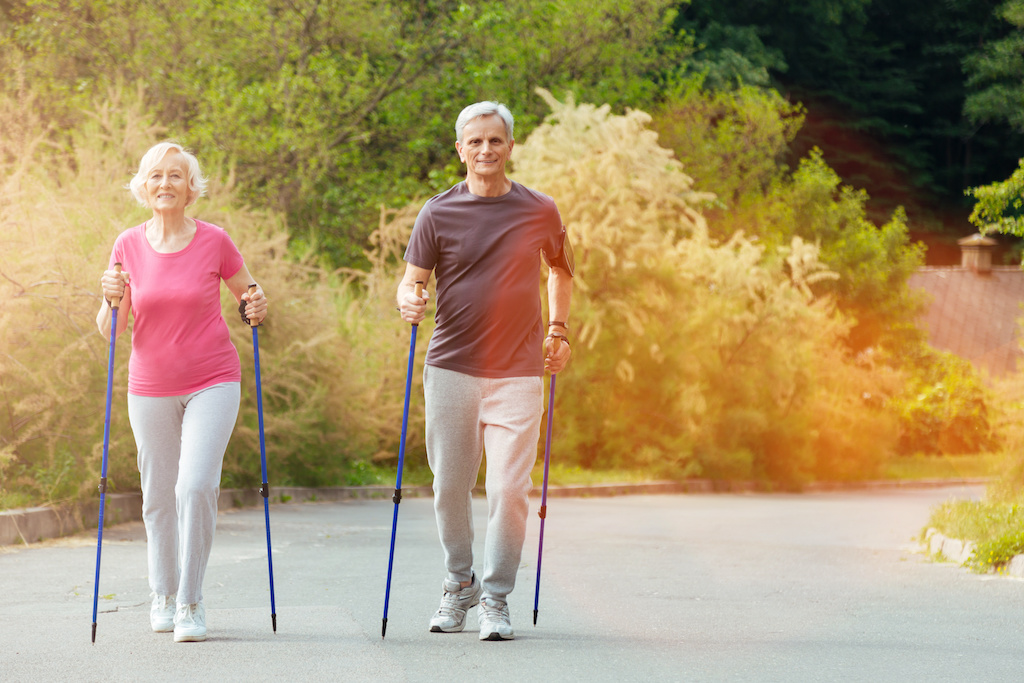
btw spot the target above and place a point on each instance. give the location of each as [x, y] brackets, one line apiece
[748, 587]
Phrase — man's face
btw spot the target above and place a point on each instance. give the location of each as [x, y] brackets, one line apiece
[485, 147]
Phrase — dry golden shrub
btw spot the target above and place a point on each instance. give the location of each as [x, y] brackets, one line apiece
[694, 357]
[62, 203]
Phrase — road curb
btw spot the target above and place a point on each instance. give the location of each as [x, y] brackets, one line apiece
[959, 552]
[31, 525]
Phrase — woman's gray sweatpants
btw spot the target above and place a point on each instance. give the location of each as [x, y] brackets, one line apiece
[181, 442]
[466, 416]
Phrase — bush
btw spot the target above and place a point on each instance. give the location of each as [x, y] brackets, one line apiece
[62, 203]
[695, 357]
[944, 407]
[736, 143]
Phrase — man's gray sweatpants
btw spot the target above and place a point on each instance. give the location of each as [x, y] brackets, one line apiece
[466, 416]
[181, 442]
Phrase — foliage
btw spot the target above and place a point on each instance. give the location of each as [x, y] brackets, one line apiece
[56, 216]
[998, 551]
[733, 141]
[996, 527]
[873, 262]
[995, 77]
[958, 466]
[346, 104]
[694, 356]
[999, 204]
[1007, 425]
[736, 142]
[60, 209]
[944, 407]
[731, 56]
[763, 331]
[995, 524]
[994, 73]
[895, 71]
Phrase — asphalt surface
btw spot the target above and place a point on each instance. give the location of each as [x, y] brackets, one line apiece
[699, 587]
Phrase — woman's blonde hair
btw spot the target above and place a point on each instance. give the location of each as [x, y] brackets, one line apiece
[194, 176]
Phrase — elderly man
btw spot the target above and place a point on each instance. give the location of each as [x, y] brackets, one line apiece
[483, 239]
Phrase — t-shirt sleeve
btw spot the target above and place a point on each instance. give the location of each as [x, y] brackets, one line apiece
[230, 258]
[117, 253]
[554, 233]
[422, 250]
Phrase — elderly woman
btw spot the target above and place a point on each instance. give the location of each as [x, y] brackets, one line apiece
[183, 374]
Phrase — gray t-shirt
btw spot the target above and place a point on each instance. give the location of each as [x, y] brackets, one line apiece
[485, 254]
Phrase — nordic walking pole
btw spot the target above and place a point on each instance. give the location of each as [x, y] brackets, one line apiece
[544, 494]
[115, 303]
[264, 486]
[401, 459]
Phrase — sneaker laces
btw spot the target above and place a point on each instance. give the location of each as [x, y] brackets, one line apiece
[187, 615]
[162, 602]
[494, 610]
[449, 605]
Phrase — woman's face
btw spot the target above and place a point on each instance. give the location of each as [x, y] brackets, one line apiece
[167, 183]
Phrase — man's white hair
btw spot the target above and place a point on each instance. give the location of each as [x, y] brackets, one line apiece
[479, 109]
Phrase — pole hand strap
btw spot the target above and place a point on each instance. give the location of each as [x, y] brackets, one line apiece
[242, 303]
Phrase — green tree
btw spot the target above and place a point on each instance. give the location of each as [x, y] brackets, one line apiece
[996, 73]
[736, 143]
[999, 205]
[329, 108]
[884, 87]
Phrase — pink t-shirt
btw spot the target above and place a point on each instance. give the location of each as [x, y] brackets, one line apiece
[180, 342]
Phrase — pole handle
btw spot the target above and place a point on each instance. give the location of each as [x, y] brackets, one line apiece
[419, 293]
[252, 321]
[116, 301]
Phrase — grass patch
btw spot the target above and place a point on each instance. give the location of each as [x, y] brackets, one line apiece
[996, 528]
[995, 525]
[558, 475]
[11, 500]
[943, 466]
[906, 468]
[574, 475]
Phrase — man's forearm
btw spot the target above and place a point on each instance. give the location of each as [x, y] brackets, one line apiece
[559, 295]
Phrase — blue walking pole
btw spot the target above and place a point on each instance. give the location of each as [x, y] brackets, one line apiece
[264, 486]
[544, 494]
[114, 305]
[397, 498]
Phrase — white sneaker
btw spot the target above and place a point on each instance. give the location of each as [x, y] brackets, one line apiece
[161, 613]
[455, 602]
[495, 622]
[190, 623]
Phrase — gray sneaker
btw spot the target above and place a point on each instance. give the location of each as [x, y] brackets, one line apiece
[455, 602]
[495, 622]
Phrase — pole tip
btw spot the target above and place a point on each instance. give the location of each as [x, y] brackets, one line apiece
[534, 617]
[384, 628]
[94, 633]
[273, 619]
